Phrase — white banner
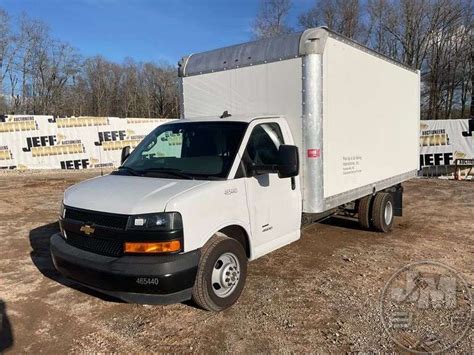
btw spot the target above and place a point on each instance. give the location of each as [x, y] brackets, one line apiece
[444, 141]
[46, 142]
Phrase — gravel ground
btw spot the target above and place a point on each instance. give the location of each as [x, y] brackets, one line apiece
[321, 293]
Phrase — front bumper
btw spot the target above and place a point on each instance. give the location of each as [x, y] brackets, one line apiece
[161, 279]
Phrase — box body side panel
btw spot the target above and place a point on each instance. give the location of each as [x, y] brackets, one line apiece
[370, 120]
[269, 89]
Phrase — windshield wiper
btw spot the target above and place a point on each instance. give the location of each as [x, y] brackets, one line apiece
[132, 171]
[174, 172]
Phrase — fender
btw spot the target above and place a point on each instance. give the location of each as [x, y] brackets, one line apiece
[215, 229]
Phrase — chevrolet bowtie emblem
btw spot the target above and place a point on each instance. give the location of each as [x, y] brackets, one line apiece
[87, 229]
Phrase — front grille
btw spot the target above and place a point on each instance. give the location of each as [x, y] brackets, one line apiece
[116, 221]
[96, 245]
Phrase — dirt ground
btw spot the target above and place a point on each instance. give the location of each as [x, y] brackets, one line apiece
[319, 294]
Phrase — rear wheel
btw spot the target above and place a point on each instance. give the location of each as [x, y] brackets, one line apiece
[364, 212]
[221, 274]
[382, 212]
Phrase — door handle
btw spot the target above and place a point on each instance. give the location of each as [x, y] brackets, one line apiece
[293, 183]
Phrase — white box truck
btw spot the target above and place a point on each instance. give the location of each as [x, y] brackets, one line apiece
[308, 124]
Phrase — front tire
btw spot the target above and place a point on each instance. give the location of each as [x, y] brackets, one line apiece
[221, 274]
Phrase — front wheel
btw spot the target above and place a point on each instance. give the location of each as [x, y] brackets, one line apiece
[221, 274]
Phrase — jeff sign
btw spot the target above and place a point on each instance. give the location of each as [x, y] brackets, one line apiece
[444, 141]
[47, 142]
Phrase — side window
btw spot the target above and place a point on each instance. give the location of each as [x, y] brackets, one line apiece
[262, 147]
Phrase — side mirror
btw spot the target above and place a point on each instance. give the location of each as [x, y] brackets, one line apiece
[125, 154]
[289, 161]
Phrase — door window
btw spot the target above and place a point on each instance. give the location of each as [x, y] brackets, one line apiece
[262, 147]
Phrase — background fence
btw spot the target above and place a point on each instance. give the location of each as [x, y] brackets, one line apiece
[46, 142]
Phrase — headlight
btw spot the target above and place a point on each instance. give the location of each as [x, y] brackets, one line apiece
[155, 221]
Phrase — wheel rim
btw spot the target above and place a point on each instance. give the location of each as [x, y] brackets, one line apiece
[388, 213]
[225, 275]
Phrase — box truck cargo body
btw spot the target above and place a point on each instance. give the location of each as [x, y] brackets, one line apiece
[353, 113]
[306, 124]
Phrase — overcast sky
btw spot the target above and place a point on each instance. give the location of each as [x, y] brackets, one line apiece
[146, 30]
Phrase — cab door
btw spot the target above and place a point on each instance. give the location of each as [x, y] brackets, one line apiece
[274, 203]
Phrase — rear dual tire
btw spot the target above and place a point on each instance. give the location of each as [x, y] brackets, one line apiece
[382, 212]
[364, 212]
[377, 212]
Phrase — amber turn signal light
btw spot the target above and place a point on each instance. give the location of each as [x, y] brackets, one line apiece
[150, 248]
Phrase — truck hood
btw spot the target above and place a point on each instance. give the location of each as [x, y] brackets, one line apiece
[126, 194]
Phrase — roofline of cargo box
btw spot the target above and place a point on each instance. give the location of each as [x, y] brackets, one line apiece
[269, 50]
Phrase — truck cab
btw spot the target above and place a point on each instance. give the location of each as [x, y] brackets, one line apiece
[186, 210]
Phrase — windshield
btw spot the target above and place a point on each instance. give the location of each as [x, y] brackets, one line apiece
[188, 150]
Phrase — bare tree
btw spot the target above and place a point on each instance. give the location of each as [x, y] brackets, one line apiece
[465, 73]
[433, 36]
[128, 90]
[42, 75]
[54, 68]
[40, 67]
[4, 43]
[272, 18]
[102, 79]
[380, 16]
[343, 16]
